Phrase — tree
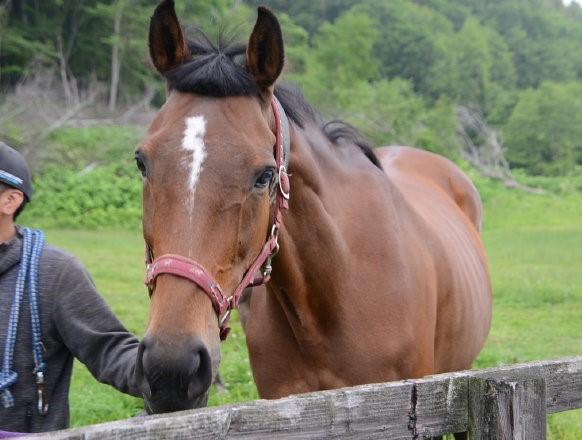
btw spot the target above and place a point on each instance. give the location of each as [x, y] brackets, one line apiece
[124, 33]
[342, 55]
[544, 134]
[115, 58]
[477, 70]
[544, 39]
[410, 40]
[296, 45]
[391, 113]
[308, 14]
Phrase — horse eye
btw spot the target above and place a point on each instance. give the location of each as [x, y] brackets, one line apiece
[265, 178]
[139, 161]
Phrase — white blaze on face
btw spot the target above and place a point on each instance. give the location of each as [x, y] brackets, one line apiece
[193, 142]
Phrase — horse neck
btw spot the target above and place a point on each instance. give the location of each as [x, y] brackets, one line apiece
[314, 257]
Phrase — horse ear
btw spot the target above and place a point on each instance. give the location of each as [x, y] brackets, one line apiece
[168, 47]
[265, 53]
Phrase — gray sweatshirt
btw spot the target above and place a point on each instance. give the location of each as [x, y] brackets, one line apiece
[76, 322]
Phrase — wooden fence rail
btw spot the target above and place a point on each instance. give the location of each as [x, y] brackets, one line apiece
[498, 403]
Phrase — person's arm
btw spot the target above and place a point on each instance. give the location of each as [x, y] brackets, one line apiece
[91, 331]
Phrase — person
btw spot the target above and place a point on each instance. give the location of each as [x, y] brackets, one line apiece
[59, 315]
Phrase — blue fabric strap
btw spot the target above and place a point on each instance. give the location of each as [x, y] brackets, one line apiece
[32, 245]
[37, 347]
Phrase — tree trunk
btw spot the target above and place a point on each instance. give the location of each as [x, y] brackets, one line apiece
[115, 57]
[63, 71]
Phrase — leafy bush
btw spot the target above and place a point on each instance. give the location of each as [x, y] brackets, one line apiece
[544, 134]
[77, 148]
[107, 196]
[87, 180]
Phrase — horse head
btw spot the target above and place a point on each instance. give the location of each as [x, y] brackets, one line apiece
[209, 176]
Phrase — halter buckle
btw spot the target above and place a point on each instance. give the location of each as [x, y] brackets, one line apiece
[268, 268]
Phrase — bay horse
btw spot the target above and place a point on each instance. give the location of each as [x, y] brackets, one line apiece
[381, 273]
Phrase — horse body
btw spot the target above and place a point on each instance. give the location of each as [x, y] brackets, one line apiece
[381, 275]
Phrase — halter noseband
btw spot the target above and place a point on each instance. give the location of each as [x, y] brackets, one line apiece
[191, 270]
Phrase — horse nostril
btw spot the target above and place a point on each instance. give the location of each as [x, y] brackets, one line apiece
[201, 378]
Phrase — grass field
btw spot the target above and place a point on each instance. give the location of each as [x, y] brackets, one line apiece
[535, 251]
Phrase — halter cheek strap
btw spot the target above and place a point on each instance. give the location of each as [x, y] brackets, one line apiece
[193, 271]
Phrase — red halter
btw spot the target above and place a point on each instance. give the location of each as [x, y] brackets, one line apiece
[183, 267]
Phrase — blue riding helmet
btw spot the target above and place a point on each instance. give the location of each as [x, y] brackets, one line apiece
[14, 171]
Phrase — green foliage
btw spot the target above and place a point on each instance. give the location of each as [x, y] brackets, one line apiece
[477, 70]
[78, 148]
[108, 196]
[335, 45]
[308, 14]
[81, 34]
[545, 40]
[134, 14]
[88, 180]
[390, 113]
[296, 45]
[410, 40]
[396, 69]
[331, 70]
[386, 111]
[544, 134]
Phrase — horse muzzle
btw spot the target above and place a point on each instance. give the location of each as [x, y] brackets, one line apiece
[174, 375]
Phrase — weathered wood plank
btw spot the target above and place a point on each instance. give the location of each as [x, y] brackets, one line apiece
[441, 405]
[442, 399]
[421, 408]
[448, 414]
[563, 380]
[365, 412]
[370, 411]
[506, 409]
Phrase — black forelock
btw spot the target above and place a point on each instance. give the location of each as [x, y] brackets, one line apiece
[217, 70]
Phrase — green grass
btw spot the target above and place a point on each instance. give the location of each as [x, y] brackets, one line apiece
[535, 251]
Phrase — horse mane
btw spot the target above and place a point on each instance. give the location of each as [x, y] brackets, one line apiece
[219, 70]
[337, 131]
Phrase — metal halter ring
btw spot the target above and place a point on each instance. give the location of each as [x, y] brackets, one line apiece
[282, 170]
[275, 232]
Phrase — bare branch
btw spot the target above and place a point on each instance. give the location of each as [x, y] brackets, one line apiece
[483, 150]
